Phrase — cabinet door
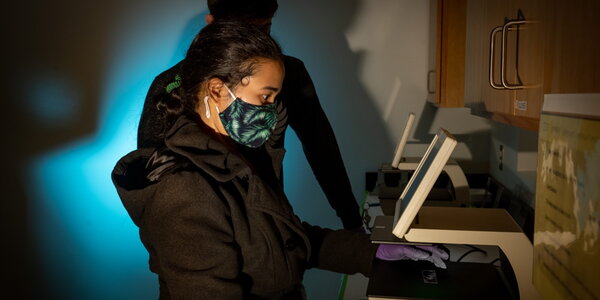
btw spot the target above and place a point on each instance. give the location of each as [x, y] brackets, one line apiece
[525, 59]
[556, 50]
[494, 15]
[499, 56]
[450, 16]
[482, 58]
[573, 47]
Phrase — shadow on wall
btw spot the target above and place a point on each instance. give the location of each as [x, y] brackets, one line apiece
[77, 75]
[423, 128]
[192, 27]
[315, 34]
[474, 140]
[52, 69]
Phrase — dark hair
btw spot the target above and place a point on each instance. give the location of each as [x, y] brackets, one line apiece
[243, 10]
[224, 49]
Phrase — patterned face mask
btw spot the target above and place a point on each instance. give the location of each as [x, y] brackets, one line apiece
[248, 124]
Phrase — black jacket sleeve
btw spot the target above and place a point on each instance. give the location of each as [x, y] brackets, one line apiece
[342, 251]
[307, 118]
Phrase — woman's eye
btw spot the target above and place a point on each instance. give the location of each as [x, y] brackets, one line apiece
[266, 97]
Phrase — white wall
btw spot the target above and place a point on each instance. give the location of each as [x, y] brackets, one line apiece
[394, 39]
[518, 158]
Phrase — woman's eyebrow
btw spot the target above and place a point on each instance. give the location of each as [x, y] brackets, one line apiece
[274, 89]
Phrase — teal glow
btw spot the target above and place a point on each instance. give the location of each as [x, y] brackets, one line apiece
[87, 246]
[83, 232]
[53, 99]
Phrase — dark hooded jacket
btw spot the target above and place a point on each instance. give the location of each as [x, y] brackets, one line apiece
[217, 228]
[298, 106]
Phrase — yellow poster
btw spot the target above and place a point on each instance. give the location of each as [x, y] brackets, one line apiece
[567, 214]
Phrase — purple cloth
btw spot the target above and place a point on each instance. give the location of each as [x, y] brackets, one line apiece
[433, 253]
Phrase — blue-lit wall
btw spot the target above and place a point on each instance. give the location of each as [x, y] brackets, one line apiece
[76, 74]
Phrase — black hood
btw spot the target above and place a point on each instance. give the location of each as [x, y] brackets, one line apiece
[187, 146]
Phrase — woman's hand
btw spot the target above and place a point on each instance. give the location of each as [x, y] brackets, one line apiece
[433, 253]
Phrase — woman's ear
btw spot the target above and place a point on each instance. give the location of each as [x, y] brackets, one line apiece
[215, 89]
[209, 18]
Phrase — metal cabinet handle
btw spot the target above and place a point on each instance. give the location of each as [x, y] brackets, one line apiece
[492, 48]
[429, 90]
[505, 29]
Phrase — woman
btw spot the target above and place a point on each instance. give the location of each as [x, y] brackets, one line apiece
[211, 211]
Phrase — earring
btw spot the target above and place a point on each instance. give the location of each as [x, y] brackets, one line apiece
[207, 108]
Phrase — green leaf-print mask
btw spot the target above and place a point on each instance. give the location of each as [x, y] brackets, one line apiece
[248, 124]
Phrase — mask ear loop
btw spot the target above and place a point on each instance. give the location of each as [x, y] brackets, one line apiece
[230, 93]
[207, 112]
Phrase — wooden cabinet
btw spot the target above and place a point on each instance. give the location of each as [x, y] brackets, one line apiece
[446, 81]
[572, 55]
[518, 50]
[504, 60]
[524, 66]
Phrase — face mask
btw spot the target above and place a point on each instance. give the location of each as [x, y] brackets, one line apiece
[248, 124]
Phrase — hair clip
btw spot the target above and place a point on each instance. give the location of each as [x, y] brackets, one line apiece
[173, 85]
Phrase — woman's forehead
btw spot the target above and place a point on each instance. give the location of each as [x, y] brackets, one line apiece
[268, 71]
